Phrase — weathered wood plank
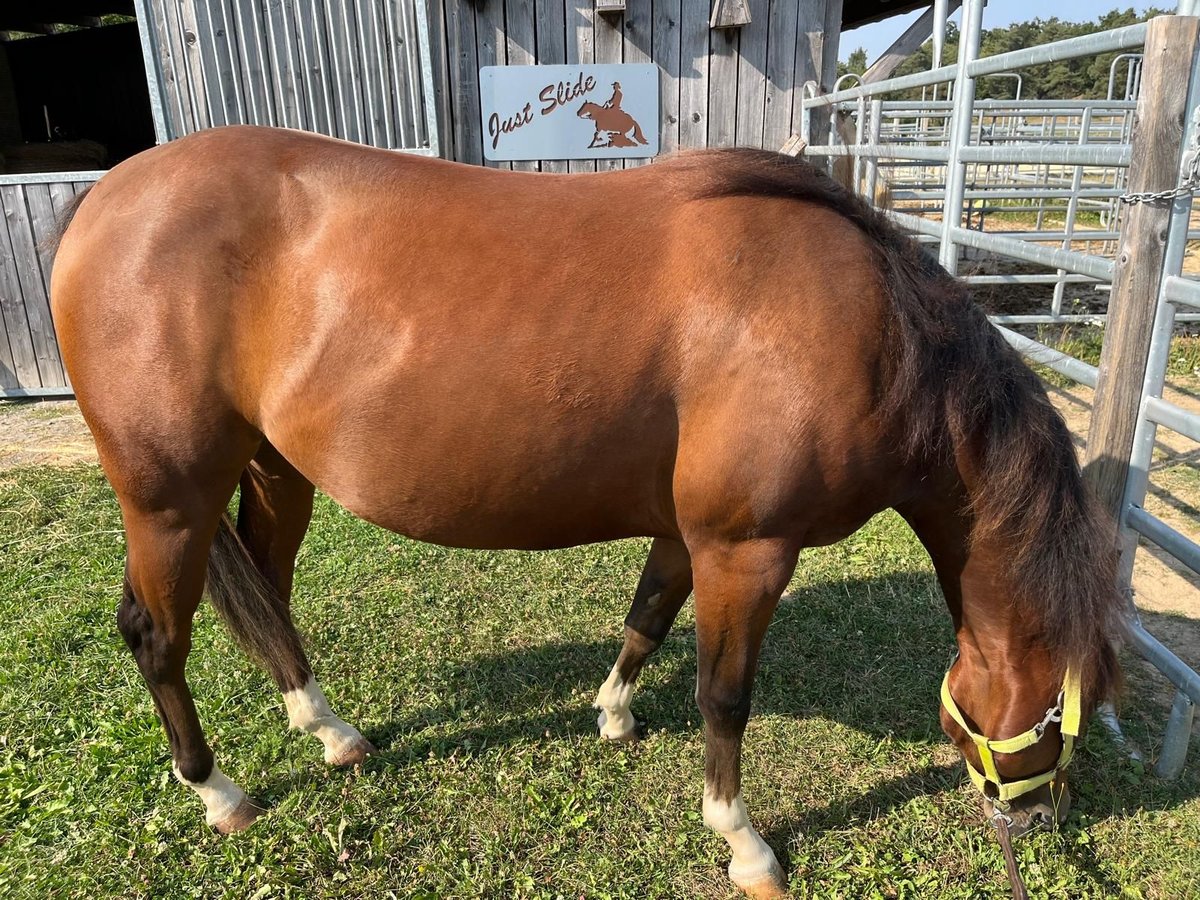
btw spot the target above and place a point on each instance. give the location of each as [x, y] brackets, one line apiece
[180, 22]
[826, 57]
[404, 51]
[1171, 50]
[21, 355]
[581, 48]
[751, 79]
[171, 59]
[8, 371]
[693, 73]
[723, 86]
[831, 34]
[551, 50]
[638, 33]
[520, 45]
[610, 42]
[42, 223]
[665, 50]
[810, 24]
[23, 246]
[780, 72]
[61, 194]
[492, 49]
[207, 69]
[439, 52]
[464, 83]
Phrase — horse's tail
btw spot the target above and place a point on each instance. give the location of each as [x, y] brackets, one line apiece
[637, 133]
[248, 603]
[50, 242]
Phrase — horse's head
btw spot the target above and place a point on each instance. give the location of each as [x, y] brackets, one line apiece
[588, 110]
[1029, 569]
[1028, 676]
[1017, 733]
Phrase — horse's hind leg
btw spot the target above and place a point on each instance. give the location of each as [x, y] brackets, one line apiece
[275, 509]
[168, 547]
[664, 586]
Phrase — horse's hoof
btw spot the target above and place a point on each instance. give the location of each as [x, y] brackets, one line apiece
[765, 887]
[241, 818]
[631, 736]
[352, 755]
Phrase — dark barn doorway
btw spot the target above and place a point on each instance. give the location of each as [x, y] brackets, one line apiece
[73, 90]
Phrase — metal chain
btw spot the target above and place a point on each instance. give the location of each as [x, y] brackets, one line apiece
[1191, 183]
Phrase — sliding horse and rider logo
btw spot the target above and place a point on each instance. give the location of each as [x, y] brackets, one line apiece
[614, 126]
[569, 112]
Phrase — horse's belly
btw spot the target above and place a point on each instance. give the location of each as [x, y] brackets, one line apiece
[474, 507]
[494, 477]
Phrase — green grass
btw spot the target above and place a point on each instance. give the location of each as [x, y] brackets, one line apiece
[474, 674]
[1084, 342]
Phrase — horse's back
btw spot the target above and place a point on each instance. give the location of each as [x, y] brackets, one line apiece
[464, 355]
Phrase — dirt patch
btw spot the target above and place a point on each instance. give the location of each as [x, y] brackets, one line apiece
[1161, 584]
[50, 432]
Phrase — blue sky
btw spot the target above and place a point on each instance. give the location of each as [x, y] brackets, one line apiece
[878, 36]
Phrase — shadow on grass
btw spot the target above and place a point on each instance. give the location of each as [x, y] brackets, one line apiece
[868, 654]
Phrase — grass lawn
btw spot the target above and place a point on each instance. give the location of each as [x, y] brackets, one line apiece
[474, 674]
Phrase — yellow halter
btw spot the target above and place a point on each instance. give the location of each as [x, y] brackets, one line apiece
[1066, 711]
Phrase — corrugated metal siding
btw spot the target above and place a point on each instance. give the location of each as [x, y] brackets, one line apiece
[346, 68]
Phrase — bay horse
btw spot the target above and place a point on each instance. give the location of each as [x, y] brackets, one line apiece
[451, 353]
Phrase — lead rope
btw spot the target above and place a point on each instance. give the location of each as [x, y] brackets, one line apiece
[1010, 861]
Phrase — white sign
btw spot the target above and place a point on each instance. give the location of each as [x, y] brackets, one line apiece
[569, 112]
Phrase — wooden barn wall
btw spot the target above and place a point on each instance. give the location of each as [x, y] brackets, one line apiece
[29, 356]
[719, 88]
[347, 68]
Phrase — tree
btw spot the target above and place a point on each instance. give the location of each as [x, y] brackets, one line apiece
[1063, 80]
[856, 63]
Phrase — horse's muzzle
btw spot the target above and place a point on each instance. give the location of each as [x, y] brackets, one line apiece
[1046, 807]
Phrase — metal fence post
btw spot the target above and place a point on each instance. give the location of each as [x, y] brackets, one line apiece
[1175, 742]
[960, 133]
[1171, 43]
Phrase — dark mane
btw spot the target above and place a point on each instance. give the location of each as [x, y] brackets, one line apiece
[954, 381]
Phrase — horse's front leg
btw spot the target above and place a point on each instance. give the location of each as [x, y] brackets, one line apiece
[737, 589]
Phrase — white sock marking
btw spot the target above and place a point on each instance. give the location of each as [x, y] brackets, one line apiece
[308, 710]
[752, 858]
[220, 795]
[615, 719]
